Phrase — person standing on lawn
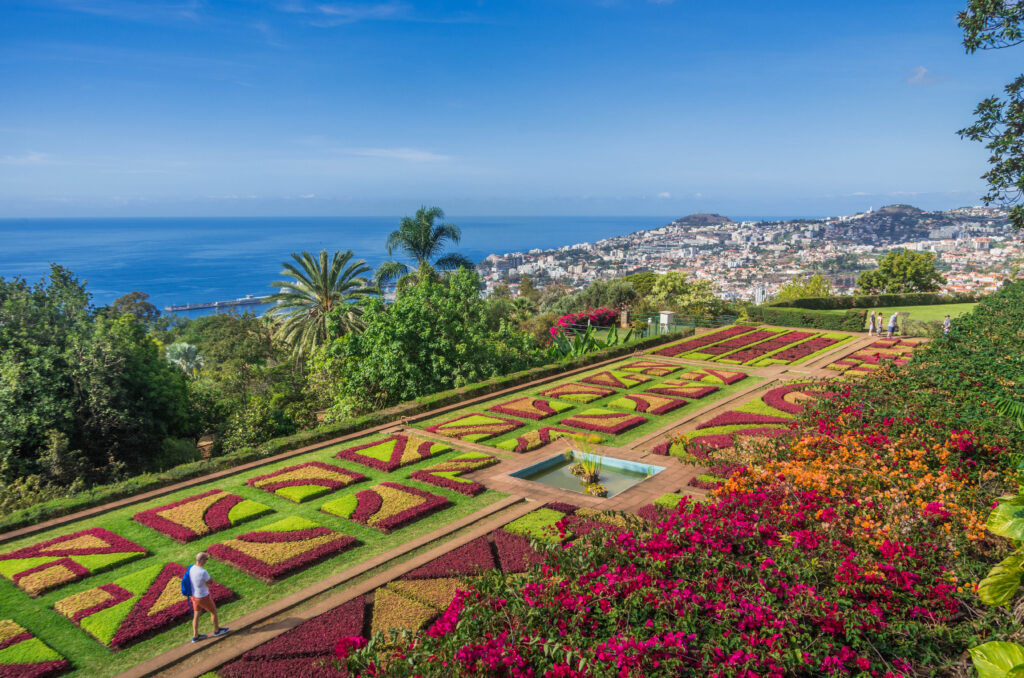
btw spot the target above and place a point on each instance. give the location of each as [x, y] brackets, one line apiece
[871, 324]
[201, 598]
[893, 323]
[946, 324]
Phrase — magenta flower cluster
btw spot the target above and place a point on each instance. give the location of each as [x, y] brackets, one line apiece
[597, 317]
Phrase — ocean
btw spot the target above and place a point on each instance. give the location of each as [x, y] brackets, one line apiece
[191, 260]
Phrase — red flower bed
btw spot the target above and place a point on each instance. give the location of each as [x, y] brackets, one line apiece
[393, 452]
[197, 516]
[448, 474]
[805, 349]
[738, 342]
[767, 347]
[603, 421]
[467, 560]
[703, 340]
[256, 554]
[688, 391]
[733, 418]
[528, 407]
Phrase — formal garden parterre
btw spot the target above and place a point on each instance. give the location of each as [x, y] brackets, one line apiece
[756, 347]
[877, 354]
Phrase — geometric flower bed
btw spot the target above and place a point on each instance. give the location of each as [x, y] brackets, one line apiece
[475, 427]
[200, 515]
[735, 343]
[393, 452]
[579, 393]
[55, 562]
[711, 376]
[410, 605]
[703, 340]
[530, 407]
[22, 655]
[802, 351]
[653, 368]
[603, 421]
[534, 439]
[386, 506]
[752, 353]
[870, 358]
[306, 481]
[448, 473]
[135, 606]
[649, 403]
[281, 548]
[616, 379]
[681, 389]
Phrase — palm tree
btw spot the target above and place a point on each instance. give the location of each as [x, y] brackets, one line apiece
[185, 356]
[422, 241]
[320, 286]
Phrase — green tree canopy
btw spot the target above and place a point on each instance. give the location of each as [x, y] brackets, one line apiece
[436, 336]
[643, 282]
[598, 294]
[138, 304]
[900, 272]
[999, 122]
[528, 290]
[423, 241]
[802, 287]
[679, 292]
[319, 286]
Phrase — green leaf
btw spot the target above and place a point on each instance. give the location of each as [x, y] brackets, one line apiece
[1007, 520]
[1002, 582]
[997, 659]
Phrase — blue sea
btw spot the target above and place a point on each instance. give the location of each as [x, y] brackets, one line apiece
[191, 260]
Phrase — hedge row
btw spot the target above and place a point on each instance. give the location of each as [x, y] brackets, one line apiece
[877, 301]
[853, 320]
[147, 482]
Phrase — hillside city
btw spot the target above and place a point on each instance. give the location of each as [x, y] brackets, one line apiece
[976, 249]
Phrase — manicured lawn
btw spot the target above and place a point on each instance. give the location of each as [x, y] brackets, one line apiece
[653, 421]
[933, 313]
[90, 657]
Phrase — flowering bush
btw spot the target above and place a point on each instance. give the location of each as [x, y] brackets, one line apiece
[281, 548]
[200, 515]
[393, 452]
[386, 506]
[596, 317]
[135, 606]
[56, 562]
[22, 655]
[530, 407]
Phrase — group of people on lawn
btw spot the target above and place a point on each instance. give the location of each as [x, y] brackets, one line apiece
[875, 324]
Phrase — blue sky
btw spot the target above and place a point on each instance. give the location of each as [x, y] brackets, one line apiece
[518, 107]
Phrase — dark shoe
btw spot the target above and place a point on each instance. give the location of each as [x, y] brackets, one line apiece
[221, 631]
[201, 636]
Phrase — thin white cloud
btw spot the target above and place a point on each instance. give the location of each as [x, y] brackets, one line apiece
[28, 158]
[132, 10]
[664, 195]
[922, 76]
[405, 154]
[336, 14]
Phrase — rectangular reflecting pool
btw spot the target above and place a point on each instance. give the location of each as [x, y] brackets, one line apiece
[617, 475]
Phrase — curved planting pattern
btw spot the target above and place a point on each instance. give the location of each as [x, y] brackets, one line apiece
[386, 506]
[22, 655]
[736, 343]
[616, 379]
[578, 393]
[539, 438]
[306, 481]
[282, 548]
[653, 368]
[394, 451]
[703, 340]
[648, 403]
[530, 407]
[136, 606]
[200, 515]
[765, 348]
[802, 351]
[448, 474]
[56, 562]
[604, 421]
[475, 427]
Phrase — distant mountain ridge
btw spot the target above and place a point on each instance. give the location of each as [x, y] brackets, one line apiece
[704, 219]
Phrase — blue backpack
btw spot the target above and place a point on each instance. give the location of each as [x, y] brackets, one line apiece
[186, 583]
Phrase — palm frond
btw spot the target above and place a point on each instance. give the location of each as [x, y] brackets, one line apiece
[450, 262]
[389, 271]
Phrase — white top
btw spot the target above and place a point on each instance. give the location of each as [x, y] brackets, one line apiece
[894, 318]
[199, 577]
